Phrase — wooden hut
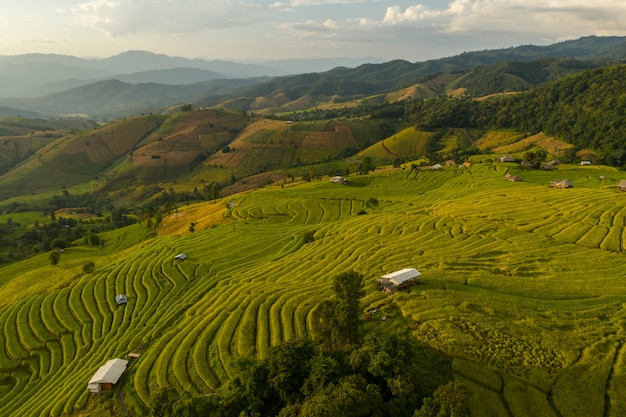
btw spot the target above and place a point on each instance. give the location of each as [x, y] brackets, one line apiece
[562, 184]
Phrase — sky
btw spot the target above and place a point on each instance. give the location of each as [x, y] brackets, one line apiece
[260, 30]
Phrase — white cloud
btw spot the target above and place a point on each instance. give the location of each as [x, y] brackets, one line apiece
[307, 3]
[122, 17]
[486, 21]
[413, 14]
[551, 18]
[402, 28]
[330, 24]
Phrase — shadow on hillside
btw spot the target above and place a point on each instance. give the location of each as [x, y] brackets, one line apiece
[359, 182]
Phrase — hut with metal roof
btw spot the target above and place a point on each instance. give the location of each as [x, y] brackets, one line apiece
[398, 280]
[121, 299]
[107, 375]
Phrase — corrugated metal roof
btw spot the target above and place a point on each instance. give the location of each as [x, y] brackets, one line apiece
[403, 275]
[110, 372]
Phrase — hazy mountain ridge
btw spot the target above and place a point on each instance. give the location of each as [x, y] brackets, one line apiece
[53, 71]
[112, 99]
[159, 87]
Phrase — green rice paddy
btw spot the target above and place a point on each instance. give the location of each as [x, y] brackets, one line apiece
[522, 285]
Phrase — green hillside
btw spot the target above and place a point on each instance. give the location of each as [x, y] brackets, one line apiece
[181, 151]
[522, 288]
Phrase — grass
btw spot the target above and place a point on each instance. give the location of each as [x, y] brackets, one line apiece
[522, 285]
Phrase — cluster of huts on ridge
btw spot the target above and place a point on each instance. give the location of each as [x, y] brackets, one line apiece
[550, 166]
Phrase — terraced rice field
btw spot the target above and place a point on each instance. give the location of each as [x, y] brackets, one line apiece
[522, 285]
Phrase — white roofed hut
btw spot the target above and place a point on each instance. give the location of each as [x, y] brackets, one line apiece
[338, 179]
[398, 280]
[107, 376]
[121, 299]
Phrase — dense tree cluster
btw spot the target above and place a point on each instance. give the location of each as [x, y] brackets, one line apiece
[19, 241]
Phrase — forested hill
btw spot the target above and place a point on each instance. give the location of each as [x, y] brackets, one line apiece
[479, 73]
[377, 78]
[586, 110]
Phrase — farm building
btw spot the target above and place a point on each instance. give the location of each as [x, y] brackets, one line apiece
[562, 184]
[450, 162]
[467, 164]
[506, 158]
[338, 179]
[121, 299]
[107, 376]
[622, 185]
[513, 178]
[180, 257]
[585, 162]
[526, 164]
[398, 280]
[435, 167]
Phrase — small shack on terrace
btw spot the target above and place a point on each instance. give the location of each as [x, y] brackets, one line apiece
[121, 299]
[180, 257]
[622, 185]
[562, 184]
[398, 280]
[107, 376]
[506, 158]
[338, 179]
[513, 178]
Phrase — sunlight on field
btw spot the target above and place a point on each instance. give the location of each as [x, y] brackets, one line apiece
[522, 284]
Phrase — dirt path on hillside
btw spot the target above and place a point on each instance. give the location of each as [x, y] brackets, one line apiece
[382, 143]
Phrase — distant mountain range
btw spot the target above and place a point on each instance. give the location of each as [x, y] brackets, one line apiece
[140, 82]
[36, 75]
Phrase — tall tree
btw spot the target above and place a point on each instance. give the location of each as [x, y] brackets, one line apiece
[287, 368]
[54, 258]
[348, 289]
